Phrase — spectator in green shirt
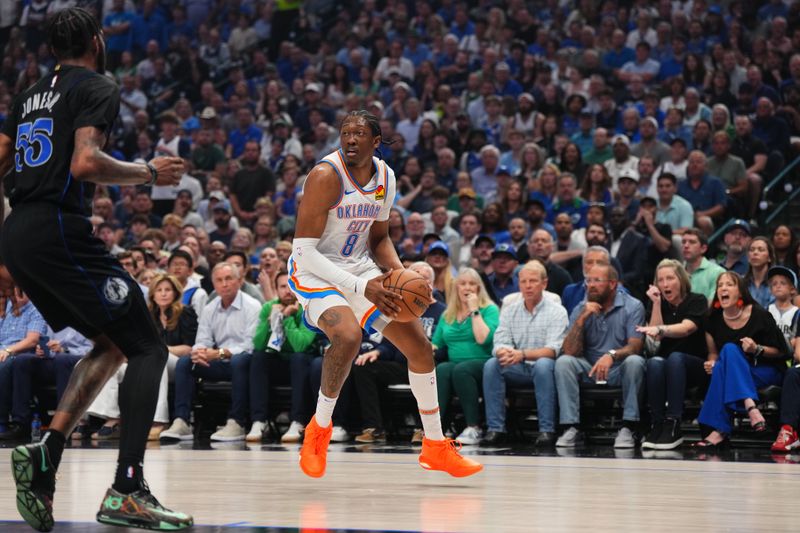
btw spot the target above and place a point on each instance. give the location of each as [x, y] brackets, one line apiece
[284, 348]
[703, 272]
[467, 330]
[207, 156]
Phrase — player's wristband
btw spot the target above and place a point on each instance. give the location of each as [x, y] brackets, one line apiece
[153, 174]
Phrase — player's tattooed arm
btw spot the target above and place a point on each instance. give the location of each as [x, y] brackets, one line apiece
[90, 163]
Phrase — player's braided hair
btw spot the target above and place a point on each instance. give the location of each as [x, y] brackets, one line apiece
[372, 121]
[70, 32]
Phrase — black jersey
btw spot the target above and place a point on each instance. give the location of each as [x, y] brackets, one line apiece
[42, 124]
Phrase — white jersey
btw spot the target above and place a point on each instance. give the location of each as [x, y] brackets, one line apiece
[345, 238]
[785, 321]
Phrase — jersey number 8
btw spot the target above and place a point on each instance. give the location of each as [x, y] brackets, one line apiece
[349, 243]
[30, 134]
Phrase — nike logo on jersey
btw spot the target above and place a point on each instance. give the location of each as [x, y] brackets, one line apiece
[349, 192]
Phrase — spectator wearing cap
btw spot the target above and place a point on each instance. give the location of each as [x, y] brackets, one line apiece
[312, 100]
[184, 208]
[482, 260]
[737, 244]
[245, 131]
[673, 209]
[536, 211]
[642, 65]
[438, 257]
[782, 285]
[223, 230]
[526, 343]
[677, 163]
[504, 83]
[705, 192]
[627, 189]
[785, 281]
[760, 258]
[503, 279]
[527, 119]
[600, 150]
[649, 144]
[251, 182]
[622, 161]
[181, 266]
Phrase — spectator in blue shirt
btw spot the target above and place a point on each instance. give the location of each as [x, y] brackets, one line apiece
[416, 51]
[705, 193]
[150, 25]
[619, 53]
[462, 26]
[20, 329]
[246, 131]
[567, 201]
[505, 84]
[118, 29]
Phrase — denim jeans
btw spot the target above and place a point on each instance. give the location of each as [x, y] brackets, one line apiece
[237, 371]
[539, 375]
[571, 370]
[732, 381]
[667, 380]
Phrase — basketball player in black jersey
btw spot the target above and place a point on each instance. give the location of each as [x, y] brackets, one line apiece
[51, 146]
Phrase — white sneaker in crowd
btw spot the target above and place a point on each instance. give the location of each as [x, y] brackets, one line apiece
[294, 433]
[231, 431]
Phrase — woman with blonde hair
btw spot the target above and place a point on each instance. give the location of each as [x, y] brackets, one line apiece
[676, 332]
[467, 329]
[547, 178]
[242, 241]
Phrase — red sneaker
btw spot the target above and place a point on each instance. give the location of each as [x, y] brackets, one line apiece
[786, 441]
[443, 455]
[314, 453]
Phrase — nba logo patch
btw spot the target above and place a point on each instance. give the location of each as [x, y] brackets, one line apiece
[380, 193]
[115, 291]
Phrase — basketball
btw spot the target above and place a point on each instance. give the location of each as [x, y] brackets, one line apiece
[414, 290]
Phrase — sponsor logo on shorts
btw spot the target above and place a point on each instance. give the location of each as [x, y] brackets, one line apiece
[116, 290]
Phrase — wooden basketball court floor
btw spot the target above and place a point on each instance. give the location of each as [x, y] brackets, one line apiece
[261, 488]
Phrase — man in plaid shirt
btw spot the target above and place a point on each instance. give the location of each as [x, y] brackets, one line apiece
[525, 346]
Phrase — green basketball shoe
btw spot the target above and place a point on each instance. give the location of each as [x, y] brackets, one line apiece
[140, 509]
[35, 478]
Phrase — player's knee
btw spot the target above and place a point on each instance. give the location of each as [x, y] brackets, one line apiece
[347, 340]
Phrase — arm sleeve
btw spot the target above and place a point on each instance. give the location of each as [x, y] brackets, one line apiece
[307, 256]
[263, 329]
[299, 337]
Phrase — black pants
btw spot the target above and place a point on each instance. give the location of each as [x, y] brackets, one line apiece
[270, 369]
[369, 380]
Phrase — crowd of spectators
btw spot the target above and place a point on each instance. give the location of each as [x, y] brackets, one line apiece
[554, 159]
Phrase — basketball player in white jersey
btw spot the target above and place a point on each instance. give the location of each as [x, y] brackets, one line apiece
[340, 247]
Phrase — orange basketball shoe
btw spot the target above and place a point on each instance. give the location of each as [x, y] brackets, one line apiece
[314, 453]
[443, 455]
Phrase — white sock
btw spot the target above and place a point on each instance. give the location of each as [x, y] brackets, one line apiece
[324, 412]
[424, 388]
